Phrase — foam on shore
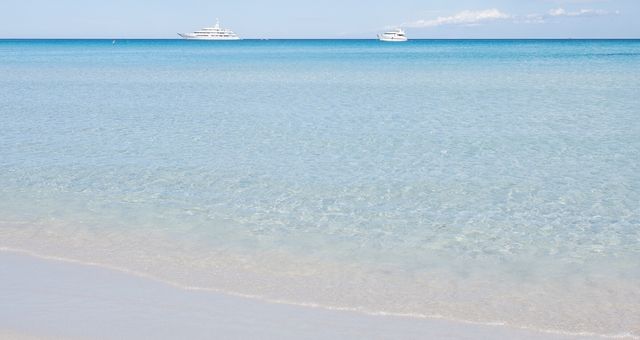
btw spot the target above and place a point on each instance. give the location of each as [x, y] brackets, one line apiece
[55, 299]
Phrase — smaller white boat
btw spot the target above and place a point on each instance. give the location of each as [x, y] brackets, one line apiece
[397, 35]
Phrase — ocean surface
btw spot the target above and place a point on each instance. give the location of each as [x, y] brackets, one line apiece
[481, 181]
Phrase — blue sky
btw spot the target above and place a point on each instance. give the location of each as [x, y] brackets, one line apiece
[322, 19]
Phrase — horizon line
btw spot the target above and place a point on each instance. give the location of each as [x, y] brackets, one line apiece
[266, 39]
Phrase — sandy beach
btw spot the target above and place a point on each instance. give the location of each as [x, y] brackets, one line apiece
[44, 299]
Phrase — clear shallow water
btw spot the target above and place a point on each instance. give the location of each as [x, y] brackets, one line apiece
[488, 181]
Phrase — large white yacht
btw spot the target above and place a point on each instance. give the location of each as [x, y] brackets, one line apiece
[397, 35]
[211, 33]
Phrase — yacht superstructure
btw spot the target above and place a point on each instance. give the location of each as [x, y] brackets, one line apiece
[211, 33]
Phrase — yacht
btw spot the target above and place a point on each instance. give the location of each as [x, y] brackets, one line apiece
[397, 35]
[211, 33]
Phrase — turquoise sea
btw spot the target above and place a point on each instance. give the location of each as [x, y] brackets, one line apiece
[489, 181]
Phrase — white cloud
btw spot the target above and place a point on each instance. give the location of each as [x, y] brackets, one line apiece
[576, 1]
[533, 18]
[472, 18]
[462, 18]
[561, 12]
[556, 12]
[536, 18]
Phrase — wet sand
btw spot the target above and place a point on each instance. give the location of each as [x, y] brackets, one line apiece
[57, 300]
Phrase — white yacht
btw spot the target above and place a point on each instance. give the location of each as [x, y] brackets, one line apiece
[397, 35]
[211, 33]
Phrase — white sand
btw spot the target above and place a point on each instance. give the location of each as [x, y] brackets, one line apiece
[56, 300]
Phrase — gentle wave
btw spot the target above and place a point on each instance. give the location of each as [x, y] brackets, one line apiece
[301, 304]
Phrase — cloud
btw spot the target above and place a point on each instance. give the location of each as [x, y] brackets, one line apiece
[561, 12]
[533, 18]
[463, 18]
[558, 13]
[473, 18]
[576, 1]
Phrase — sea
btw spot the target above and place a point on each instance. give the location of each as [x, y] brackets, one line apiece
[484, 181]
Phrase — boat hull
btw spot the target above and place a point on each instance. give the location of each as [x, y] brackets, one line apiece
[194, 37]
[385, 39]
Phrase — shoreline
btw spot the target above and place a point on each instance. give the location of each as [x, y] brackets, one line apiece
[111, 286]
[277, 279]
[161, 260]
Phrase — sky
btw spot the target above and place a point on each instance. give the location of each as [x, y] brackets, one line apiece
[322, 19]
